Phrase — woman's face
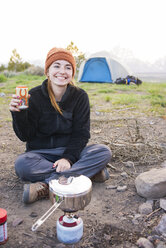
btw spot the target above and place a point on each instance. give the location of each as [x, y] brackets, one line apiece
[60, 72]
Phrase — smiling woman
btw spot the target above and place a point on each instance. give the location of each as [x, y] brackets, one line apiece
[56, 128]
[59, 75]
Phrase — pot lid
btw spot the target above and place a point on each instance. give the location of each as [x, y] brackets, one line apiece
[73, 185]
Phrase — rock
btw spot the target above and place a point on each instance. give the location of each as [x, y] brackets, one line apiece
[161, 227]
[136, 219]
[144, 243]
[161, 245]
[124, 174]
[163, 164]
[163, 145]
[17, 222]
[111, 187]
[121, 188]
[151, 202]
[33, 214]
[129, 164]
[152, 184]
[145, 208]
[154, 238]
[97, 112]
[107, 237]
[130, 216]
[138, 216]
[2, 94]
[97, 131]
[163, 203]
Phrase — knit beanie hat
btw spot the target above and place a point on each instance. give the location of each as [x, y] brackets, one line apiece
[59, 54]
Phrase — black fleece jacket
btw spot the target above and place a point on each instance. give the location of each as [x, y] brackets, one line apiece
[42, 127]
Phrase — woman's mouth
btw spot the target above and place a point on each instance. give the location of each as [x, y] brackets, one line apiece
[61, 77]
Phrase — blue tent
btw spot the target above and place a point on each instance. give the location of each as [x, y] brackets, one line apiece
[96, 70]
[101, 68]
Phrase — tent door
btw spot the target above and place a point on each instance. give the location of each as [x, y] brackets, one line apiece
[96, 70]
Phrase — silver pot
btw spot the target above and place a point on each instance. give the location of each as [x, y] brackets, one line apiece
[69, 194]
[73, 192]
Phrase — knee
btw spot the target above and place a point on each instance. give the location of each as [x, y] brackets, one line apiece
[23, 165]
[20, 165]
[105, 152]
[102, 151]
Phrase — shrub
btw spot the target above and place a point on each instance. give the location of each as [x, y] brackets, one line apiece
[34, 70]
[2, 67]
[9, 74]
[159, 100]
[107, 98]
[3, 78]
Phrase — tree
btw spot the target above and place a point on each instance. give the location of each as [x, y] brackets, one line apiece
[79, 56]
[73, 49]
[2, 67]
[16, 63]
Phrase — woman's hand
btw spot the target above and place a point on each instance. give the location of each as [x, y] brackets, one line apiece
[62, 165]
[14, 103]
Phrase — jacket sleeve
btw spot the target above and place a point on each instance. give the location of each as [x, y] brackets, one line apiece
[81, 129]
[25, 122]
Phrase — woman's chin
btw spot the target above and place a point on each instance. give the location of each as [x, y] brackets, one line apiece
[60, 83]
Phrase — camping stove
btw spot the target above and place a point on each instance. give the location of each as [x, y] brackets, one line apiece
[69, 228]
[70, 194]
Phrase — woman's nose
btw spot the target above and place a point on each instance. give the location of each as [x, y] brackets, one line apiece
[62, 69]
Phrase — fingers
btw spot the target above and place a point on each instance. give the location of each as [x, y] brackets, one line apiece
[55, 164]
[14, 103]
[62, 165]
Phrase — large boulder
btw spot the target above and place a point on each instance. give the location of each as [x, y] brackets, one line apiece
[161, 227]
[152, 184]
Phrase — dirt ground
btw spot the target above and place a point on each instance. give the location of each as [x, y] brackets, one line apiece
[108, 217]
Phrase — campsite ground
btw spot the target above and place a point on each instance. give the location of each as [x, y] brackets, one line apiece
[133, 134]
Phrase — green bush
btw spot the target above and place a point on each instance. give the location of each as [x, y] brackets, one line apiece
[107, 98]
[3, 78]
[158, 100]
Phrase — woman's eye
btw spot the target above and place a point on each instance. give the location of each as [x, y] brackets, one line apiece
[56, 66]
[68, 68]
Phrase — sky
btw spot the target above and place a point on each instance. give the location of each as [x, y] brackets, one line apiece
[133, 27]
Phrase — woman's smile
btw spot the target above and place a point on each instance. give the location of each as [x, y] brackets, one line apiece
[60, 77]
[60, 72]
